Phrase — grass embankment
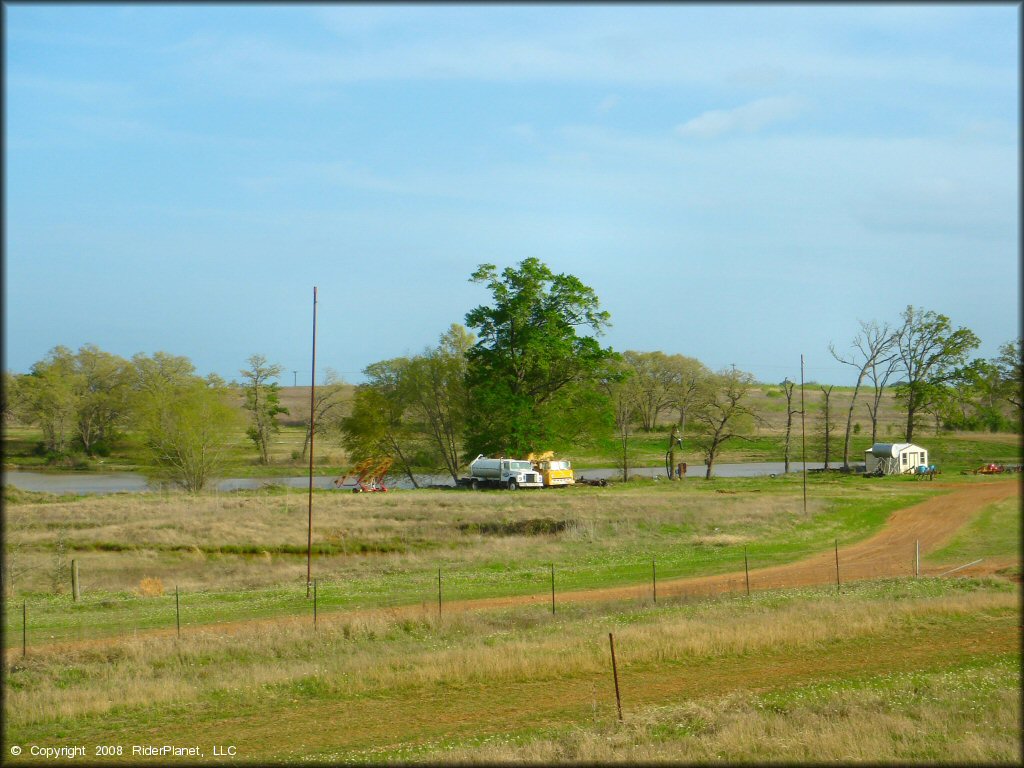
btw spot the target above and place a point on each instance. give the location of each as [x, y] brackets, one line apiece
[241, 556]
[890, 670]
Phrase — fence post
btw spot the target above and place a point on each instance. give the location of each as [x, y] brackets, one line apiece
[552, 589]
[746, 570]
[75, 585]
[917, 557]
[439, 593]
[837, 565]
[177, 610]
[24, 629]
[615, 675]
[314, 604]
[654, 579]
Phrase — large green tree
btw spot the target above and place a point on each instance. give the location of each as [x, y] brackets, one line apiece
[930, 352]
[47, 397]
[532, 375]
[187, 426]
[262, 400]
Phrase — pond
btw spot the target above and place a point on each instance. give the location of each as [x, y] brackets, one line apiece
[132, 482]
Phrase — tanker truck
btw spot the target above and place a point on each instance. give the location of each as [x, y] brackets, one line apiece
[501, 473]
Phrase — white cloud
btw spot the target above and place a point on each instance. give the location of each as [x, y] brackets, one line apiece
[749, 118]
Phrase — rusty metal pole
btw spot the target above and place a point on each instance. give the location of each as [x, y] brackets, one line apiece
[746, 570]
[615, 674]
[312, 394]
[837, 565]
[803, 431]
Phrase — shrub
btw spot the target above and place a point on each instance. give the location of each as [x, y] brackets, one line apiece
[150, 587]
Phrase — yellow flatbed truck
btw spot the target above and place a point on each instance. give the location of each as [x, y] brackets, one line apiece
[555, 472]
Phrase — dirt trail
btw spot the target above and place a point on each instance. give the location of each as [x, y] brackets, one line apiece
[888, 553]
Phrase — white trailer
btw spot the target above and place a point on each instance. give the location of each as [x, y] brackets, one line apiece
[501, 473]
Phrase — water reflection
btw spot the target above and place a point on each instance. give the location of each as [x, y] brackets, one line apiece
[131, 482]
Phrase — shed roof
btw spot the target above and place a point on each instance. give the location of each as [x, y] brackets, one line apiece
[891, 449]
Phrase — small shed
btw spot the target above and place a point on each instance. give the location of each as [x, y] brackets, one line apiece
[894, 458]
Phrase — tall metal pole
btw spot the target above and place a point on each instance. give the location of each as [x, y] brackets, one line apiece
[803, 430]
[746, 570]
[312, 394]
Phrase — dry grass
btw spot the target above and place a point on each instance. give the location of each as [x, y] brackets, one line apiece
[378, 652]
[258, 539]
[957, 717]
[150, 587]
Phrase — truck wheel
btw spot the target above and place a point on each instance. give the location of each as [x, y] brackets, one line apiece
[513, 485]
[474, 484]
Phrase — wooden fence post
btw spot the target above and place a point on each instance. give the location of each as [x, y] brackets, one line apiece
[439, 593]
[615, 675]
[75, 584]
[917, 557]
[177, 610]
[24, 629]
[654, 579]
[314, 604]
[552, 589]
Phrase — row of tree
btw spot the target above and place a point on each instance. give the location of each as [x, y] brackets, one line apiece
[90, 400]
[527, 373]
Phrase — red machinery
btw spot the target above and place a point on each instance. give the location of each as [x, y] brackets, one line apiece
[366, 477]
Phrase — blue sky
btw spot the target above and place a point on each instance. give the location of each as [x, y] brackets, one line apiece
[738, 183]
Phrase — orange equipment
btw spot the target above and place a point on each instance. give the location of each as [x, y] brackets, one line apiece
[367, 476]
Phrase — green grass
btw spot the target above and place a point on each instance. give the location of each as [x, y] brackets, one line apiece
[996, 532]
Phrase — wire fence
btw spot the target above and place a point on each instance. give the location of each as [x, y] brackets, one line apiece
[687, 574]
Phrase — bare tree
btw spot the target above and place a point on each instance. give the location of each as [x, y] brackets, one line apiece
[723, 415]
[619, 383]
[873, 347]
[328, 404]
[787, 390]
[827, 425]
[437, 390]
[687, 388]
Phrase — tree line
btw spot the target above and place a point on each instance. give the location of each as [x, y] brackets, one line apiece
[526, 373]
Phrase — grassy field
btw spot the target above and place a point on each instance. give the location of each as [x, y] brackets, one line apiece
[918, 670]
[887, 670]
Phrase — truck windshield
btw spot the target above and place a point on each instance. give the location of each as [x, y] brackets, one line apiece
[520, 465]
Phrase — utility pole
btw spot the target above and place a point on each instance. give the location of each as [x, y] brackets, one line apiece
[803, 430]
[312, 391]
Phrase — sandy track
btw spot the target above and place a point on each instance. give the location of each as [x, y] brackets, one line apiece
[888, 553]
